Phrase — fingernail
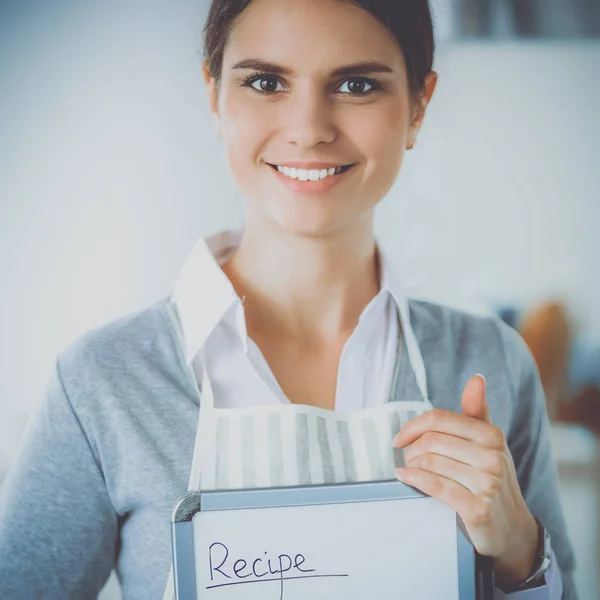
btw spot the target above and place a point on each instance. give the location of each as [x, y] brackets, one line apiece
[482, 377]
[400, 473]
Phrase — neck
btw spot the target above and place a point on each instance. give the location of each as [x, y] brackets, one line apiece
[307, 288]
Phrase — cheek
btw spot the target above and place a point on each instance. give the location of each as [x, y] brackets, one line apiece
[380, 138]
[381, 135]
[395, 131]
[245, 126]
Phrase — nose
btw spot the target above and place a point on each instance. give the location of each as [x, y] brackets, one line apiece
[308, 120]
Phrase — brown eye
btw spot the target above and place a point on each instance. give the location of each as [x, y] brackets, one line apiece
[356, 86]
[267, 84]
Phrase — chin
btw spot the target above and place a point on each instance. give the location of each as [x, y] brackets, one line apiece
[308, 223]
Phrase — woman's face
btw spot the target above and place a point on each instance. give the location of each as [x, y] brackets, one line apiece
[307, 113]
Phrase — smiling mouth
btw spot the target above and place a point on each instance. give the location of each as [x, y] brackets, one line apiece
[342, 169]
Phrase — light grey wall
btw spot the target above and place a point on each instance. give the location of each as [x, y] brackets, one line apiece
[500, 199]
[109, 170]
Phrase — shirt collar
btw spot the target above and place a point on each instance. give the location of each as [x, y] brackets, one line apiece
[203, 293]
[204, 296]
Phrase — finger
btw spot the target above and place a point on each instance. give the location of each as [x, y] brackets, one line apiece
[477, 482]
[451, 423]
[489, 460]
[474, 400]
[451, 493]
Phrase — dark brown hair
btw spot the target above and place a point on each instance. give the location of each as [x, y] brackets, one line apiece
[409, 21]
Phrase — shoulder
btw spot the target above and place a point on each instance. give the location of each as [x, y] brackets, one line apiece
[120, 351]
[131, 336]
[457, 344]
[466, 332]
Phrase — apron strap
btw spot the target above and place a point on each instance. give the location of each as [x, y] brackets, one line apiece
[207, 403]
[414, 353]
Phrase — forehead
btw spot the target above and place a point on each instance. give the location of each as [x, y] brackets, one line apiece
[310, 32]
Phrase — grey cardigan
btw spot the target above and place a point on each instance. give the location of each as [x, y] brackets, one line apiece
[108, 450]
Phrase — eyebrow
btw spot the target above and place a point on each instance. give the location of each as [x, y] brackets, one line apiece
[360, 68]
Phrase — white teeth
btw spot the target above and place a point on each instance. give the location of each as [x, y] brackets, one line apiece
[312, 174]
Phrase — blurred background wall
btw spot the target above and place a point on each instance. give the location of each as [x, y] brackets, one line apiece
[110, 170]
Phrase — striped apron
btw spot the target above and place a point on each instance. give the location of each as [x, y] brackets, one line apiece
[289, 445]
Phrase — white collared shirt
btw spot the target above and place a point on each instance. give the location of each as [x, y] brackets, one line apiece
[211, 312]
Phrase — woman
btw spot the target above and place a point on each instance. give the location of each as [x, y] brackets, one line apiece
[298, 311]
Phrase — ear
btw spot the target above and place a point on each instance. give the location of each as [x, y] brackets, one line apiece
[419, 107]
[213, 95]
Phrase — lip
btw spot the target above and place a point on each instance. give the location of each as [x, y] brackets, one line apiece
[311, 187]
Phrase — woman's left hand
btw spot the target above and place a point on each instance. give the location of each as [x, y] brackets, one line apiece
[464, 461]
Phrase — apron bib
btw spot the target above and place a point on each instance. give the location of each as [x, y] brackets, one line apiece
[275, 446]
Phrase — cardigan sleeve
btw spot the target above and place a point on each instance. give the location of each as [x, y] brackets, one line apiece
[58, 528]
[530, 444]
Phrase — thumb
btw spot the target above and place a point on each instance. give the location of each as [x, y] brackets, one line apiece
[474, 402]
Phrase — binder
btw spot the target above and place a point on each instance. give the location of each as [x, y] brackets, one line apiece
[378, 539]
